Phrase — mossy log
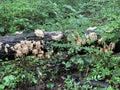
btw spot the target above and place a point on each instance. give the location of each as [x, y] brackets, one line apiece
[20, 45]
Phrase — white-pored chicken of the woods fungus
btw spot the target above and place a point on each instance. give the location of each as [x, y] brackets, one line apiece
[106, 48]
[91, 28]
[80, 41]
[18, 32]
[92, 35]
[57, 37]
[25, 47]
[39, 33]
[1, 45]
[6, 47]
[101, 41]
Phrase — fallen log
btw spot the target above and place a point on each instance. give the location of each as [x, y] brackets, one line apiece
[20, 45]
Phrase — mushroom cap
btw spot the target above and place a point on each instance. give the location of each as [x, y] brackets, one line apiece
[19, 53]
[39, 33]
[35, 51]
[25, 50]
[56, 37]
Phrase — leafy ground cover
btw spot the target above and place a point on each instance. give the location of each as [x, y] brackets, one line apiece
[77, 71]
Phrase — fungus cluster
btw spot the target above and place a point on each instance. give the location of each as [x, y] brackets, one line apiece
[105, 48]
[36, 48]
[80, 41]
[6, 47]
[76, 39]
[91, 34]
[25, 47]
[49, 54]
[31, 47]
[101, 41]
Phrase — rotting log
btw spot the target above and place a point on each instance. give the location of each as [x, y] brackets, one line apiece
[10, 45]
[20, 45]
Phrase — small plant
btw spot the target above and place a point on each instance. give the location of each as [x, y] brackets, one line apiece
[71, 84]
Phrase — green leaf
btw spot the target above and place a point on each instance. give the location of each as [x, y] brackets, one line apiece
[110, 88]
[50, 85]
[2, 29]
[2, 87]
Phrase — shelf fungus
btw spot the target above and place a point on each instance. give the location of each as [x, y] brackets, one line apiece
[91, 36]
[56, 37]
[39, 33]
[6, 48]
[91, 33]
[91, 28]
[1, 45]
[18, 32]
